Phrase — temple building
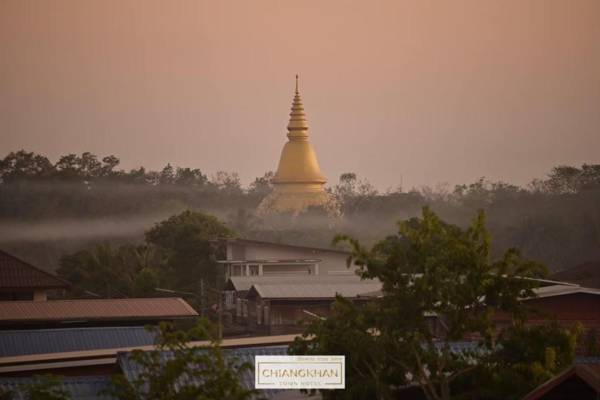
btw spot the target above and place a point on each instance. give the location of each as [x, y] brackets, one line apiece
[298, 182]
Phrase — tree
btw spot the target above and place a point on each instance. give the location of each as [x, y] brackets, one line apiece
[526, 357]
[353, 194]
[23, 165]
[566, 179]
[190, 177]
[178, 253]
[124, 271]
[176, 370]
[44, 387]
[109, 164]
[185, 242]
[261, 186]
[438, 287]
[227, 182]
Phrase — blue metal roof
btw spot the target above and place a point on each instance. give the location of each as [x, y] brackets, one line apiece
[81, 388]
[42, 341]
[587, 360]
[242, 355]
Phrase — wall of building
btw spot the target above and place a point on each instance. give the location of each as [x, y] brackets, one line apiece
[331, 262]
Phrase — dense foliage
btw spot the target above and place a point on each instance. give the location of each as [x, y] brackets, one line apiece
[177, 370]
[440, 286]
[41, 387]
[178, 254]
[47, 209]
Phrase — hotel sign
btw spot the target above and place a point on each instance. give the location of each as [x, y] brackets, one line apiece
[299, 372]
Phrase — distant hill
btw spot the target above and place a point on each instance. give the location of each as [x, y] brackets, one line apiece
[586, 274]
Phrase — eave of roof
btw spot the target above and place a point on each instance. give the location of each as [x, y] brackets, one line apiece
[312, 291]
[94, 309]
[101, 357]
[562, 290]
[243, 283]
[590, 374]
[272, 261]
[264, 243]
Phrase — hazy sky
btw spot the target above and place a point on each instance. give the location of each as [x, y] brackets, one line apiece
[415, 91]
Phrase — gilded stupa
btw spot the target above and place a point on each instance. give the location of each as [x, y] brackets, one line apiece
[298, 182]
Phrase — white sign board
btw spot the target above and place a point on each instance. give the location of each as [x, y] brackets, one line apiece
[299, 372]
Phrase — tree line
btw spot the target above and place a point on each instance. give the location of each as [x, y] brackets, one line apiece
[554, 219]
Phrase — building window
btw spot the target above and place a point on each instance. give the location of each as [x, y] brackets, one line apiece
[254, 270]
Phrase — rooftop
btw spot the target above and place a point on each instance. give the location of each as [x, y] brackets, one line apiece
[33, 363]
[561, 290]
[94, 309]
[313, 290]
[46, 341]
[82, 388]
[588, 374]
[272, 261]
[16, 274]
[242, 283]
[291, 246]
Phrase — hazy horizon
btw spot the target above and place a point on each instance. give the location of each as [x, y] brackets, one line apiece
[410, 92]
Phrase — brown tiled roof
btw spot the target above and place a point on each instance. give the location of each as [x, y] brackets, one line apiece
[95, 309]
[16, 273]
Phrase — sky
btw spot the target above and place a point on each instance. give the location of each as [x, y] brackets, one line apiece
[401, 92]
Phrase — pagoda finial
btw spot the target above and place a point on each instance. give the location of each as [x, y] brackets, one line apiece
[298, 126]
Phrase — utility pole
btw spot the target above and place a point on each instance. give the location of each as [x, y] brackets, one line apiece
[201, 297]
[218, 292]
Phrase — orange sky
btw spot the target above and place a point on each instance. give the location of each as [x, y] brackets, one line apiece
[415, 91]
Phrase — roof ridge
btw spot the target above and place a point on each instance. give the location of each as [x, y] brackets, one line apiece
[78, 328]
[38, 269]
[331, 249]
[92, 300]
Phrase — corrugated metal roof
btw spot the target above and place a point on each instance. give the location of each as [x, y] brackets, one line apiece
[316, 290]
[16, 273]
[560, 290]
[84, 309]
[292, 246]
[241, 283]
[80, 388]
[131, 370]
[288, 261]
[46, 341]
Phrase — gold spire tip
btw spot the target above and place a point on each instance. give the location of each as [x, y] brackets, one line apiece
[296, 83]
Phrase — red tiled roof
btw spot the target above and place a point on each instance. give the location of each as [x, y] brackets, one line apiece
[95, 309]
[16, 273]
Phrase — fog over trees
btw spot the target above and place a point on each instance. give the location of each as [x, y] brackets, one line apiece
[50, 209]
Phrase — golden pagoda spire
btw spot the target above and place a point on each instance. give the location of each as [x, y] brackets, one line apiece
[298, 182]
[298, 125]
